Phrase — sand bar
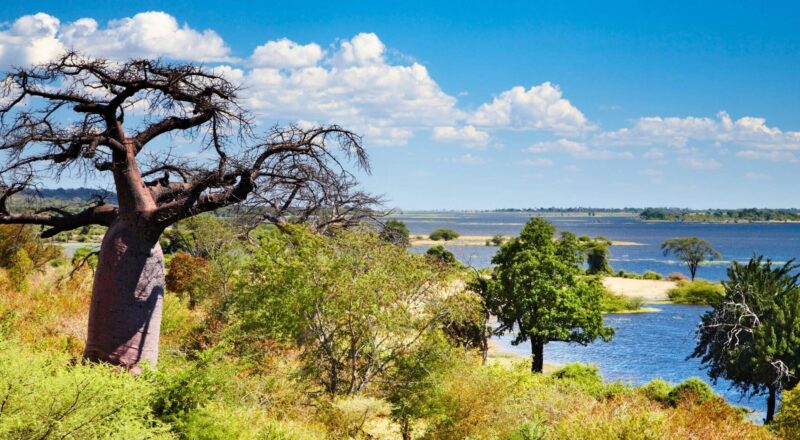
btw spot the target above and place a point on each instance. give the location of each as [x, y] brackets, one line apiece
[650, 290]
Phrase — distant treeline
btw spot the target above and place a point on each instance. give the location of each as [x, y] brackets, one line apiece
[573, 210]
[72, 194]
[721, 215]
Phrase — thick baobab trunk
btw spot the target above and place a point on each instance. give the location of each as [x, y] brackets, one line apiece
[127, 297]
[537, 349]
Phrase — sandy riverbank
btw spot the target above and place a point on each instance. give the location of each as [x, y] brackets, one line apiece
[650, 290]
[480, 240]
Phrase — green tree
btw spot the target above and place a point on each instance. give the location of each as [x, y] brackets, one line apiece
[751, 337]
[396, 232]
[538, 289]
[443, 234]
[597, 254]
[354, 303]
[690, 250]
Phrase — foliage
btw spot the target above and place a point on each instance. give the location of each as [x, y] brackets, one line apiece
[186, 275]
[721, 215]
[751, 337]
[656, 390]
[396, 232]
[43, 396]
[651, 275]
[20, 266]
[443, 234]
[613, 302]
[597, 254]
[442, 255]
[696, 292]
[692, 390]
[16, 238]
[539, 287]
[85, 256]
[496, 240]
[690, 250]
[676, 276]
[353, 302]
[787, 423]
[214, 245]
[585, 376]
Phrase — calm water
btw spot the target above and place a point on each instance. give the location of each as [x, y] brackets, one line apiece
[735, 241]
[647, 345]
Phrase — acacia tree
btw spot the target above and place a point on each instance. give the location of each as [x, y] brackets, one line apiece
[538, 288]
[752, 335]
[88, 116]
[690, 250]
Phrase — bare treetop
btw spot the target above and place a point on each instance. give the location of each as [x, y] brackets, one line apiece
[86, 115]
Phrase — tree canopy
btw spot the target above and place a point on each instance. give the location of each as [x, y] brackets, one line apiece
[690, 250]
[752, 335]
[539, 289]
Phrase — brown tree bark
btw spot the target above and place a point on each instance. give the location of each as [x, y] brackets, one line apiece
[771, 400]
[537, 349]
[127, 298]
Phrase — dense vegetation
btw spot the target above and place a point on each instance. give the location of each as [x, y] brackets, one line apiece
[539, 289]
[443, 234]
[292, 335]
[696, 292]
[721, 215]
[751, 336]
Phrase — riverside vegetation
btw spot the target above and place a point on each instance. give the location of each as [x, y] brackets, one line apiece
[286, 334]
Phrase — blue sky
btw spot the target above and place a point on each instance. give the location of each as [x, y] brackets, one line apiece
[494, 104]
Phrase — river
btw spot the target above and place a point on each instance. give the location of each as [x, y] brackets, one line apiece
[646, 345]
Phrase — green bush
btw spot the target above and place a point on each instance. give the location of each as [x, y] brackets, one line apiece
[585, 376]
[692, 390]
[656, 390]
[787, 422]
[650, 275]
[440, 254]
[696, 292]
[614, 303]
[443, 234]
[45, 397]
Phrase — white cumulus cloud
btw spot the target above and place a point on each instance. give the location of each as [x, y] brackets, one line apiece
[284, 53]
[577, 150]
[41, 37]
[541, 107]
[468, 135]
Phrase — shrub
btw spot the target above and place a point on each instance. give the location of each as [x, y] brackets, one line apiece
[496, 240]
[613, 302]
[440, 254]
[787, 422]
[656, 390]
[650, 275]
[693, 391]
[395, 232]
[46, 397]
[696, 292]
[185, 276]
[585, 376]
[676, 276]
[443, 234]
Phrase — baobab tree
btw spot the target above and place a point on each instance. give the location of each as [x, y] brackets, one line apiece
[92, 117]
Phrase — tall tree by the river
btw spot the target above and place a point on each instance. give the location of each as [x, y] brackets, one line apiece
[690, 250]
[752, 335]
[85, 116]
[539, 288]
